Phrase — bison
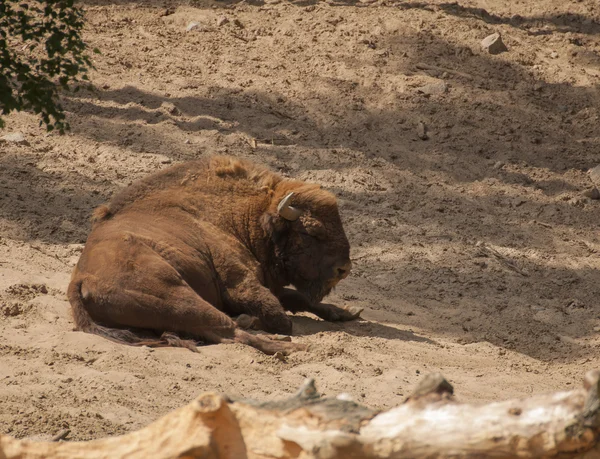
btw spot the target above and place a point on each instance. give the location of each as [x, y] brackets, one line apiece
[173, 257]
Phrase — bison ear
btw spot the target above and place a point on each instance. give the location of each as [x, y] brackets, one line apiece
[273, 225]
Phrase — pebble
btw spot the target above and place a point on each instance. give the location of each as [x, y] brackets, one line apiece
[280, 356]
[221, 21]
[592, 193]
[15, 137]
[493, 44]
[595, 175]
[434, 88]
[167, 12]
[498, 164]
[422, 131]
[553, 54]
[195, 26]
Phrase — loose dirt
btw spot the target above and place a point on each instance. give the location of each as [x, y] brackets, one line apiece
[460, 176]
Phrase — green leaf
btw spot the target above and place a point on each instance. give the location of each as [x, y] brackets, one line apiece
[29, 82]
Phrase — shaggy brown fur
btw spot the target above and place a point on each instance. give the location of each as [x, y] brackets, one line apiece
[183, 250]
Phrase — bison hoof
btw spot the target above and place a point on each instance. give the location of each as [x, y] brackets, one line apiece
[279, 324]
[280, 338]
[246, 322]
[352, 312]
[334, 313]
[293, 347]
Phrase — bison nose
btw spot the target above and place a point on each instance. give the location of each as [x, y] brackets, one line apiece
[343, 270]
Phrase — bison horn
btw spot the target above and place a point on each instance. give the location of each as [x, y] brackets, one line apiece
[286, 211]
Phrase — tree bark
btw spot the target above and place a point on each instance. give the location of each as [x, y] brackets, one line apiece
[429, 424]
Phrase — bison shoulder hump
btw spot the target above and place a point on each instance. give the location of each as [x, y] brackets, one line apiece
[101, 213]
[225, 166]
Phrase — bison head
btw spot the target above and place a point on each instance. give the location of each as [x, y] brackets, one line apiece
[309, 241]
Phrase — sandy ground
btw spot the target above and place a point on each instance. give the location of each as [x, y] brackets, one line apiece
[476, 253]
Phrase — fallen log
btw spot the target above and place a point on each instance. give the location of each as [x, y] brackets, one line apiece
[429, 424]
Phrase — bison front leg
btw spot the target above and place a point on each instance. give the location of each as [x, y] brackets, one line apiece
[294, 301]
[252, 299]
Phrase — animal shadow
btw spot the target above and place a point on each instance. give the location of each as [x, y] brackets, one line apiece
[305, 325]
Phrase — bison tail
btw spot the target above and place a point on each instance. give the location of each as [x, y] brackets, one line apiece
[85, 323]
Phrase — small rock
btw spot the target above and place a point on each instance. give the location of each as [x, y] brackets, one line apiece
[592, 193]
[167, 12]
[195, 26]
[221, 21]
[422, 131]
[280, 356]
[236, 22]
[553, 54]
[187, 141]
[493, 44]
[15, 137]
[595, 175]
[498, 165]
[434, 88]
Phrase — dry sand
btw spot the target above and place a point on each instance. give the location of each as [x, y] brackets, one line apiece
[475, 252]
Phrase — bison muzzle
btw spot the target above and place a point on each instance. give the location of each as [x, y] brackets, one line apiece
[173, 257]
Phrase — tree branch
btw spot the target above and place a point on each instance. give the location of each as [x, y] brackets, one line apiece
[430, 424]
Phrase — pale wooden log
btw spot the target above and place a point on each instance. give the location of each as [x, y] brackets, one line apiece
[430, 424]
[205, 428]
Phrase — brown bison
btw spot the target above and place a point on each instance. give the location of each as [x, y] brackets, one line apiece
[180, 252]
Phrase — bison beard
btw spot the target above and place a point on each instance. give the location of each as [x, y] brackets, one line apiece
[179, 253]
